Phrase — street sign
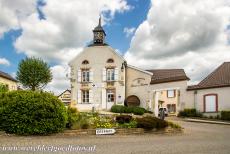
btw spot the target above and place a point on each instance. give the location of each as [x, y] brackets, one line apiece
[105, 131]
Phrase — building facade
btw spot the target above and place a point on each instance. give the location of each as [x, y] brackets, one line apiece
[65, 97]
[212, 94]
[8, 81]
[101, 78]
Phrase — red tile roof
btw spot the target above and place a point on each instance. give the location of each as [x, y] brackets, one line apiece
[167, 75]
[7, 76]
[218, 78]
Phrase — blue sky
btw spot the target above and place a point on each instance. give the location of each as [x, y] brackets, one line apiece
[150, 34]
[115, 33]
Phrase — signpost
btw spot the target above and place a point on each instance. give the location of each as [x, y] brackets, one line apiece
[104, 131]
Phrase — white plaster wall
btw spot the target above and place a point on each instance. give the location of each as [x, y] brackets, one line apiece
[141, 90]
[97, 57]
[223, 98]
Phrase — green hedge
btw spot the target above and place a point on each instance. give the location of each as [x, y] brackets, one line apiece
[150, 123]
[124, 109]
[225, 115]
[189, 113]
[31, 113]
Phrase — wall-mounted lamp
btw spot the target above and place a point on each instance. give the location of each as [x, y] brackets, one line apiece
[123, 66]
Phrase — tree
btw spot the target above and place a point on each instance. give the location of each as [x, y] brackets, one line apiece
[34, 73]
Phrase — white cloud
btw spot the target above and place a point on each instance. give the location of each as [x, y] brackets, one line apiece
[129, 31]
[4, 61]
[60, 81]
[184, 34]
[13, 12]
[67, 28]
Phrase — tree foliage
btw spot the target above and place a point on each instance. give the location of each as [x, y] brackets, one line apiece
[33, 73]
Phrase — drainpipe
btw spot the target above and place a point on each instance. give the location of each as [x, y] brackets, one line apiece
[125, 65]
[195, 99]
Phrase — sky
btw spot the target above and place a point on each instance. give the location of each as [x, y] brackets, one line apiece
[150, 34]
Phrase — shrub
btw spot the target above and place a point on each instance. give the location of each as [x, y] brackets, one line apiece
[30, 113]
[173, 125]
[123, 119]
[72, 117]
[131, 124]
[225, 115]
[138, 111]
[150, 123]
[118, 109]
[124, 109]
[82, 121]
[3, 88]
[189, 113]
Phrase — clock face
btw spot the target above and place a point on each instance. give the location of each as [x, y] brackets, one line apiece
[98, 35]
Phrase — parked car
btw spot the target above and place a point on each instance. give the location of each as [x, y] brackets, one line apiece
[165, 110]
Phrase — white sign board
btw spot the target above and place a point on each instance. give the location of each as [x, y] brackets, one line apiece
[105, 131]
[97, 85]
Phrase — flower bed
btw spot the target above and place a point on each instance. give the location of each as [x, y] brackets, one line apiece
[122, 123]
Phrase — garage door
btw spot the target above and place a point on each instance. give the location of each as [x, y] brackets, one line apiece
[210, 103]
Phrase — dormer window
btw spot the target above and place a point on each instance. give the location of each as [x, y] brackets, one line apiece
[85, 62]
[110, 60]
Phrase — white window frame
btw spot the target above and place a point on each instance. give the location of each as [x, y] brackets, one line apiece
[171, 93]
[85, 96]
[85, 75]
[110, 74]
[109, 95]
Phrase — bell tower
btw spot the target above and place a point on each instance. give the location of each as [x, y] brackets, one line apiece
[99, 34]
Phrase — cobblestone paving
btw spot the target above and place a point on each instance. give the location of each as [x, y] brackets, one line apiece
[198, 138]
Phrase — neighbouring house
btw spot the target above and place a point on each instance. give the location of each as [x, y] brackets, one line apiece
[212, 94]
[65, 97]
[8, 80]
[171, 85]
[101, 78]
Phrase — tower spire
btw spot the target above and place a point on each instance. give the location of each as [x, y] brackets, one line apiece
[99, 21]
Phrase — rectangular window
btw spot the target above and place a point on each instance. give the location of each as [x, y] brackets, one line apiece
[170, 93]
[210, 103]
[85, 96]
[110, 73]
[110, 96]
[171, 108]
[85, 75]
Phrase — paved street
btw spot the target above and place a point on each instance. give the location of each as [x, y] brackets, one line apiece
[198, 138]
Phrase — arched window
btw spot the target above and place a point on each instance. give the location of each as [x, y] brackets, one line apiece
[110, 60]
[85, 62]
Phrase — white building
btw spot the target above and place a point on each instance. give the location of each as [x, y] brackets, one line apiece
[100, 78]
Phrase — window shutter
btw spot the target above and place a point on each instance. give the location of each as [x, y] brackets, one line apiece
[91, 75]
[90, 96]
[116, 74]
[79, 75]
[104, 74]
[79, 96]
